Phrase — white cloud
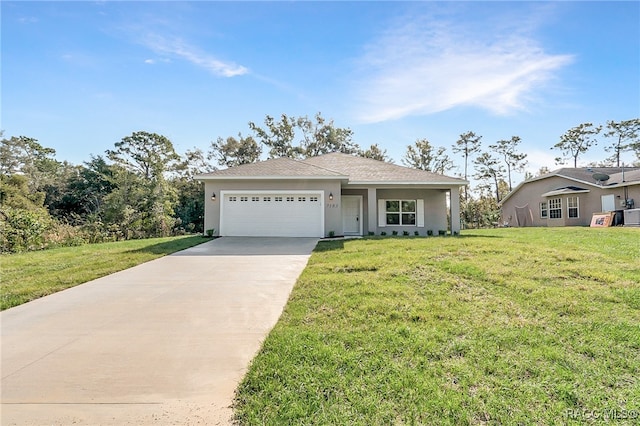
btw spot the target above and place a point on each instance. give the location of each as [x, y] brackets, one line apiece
[149, 61]
[178, 48]
[425, 66]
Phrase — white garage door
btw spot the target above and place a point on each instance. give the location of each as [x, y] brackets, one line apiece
[272, 214]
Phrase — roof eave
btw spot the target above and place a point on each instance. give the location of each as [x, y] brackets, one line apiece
[413, 183]
[561, 192]
[270, 177]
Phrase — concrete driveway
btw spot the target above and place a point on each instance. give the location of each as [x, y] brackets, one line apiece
[165, 342]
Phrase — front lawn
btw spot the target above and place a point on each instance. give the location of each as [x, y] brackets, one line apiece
[507, 326]
[28, 276]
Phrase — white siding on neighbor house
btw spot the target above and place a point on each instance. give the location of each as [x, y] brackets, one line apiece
[272, 213]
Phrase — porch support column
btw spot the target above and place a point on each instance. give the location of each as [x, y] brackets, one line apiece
[372, 207]
[454, 200]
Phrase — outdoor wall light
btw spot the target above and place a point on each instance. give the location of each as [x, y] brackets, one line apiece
[331, 196]
[213, 196]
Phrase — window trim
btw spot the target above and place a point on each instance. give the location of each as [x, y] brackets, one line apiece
[401, 213]
[555, 208]
[576, 207]
[544, 210]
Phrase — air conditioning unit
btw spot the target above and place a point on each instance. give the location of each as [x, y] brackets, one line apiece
[632, 217]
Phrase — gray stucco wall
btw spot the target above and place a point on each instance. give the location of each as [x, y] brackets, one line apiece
[435, 209]
[435, 203]
[332, 216]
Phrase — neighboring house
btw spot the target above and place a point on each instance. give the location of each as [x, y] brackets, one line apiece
[570, 196]
[333, 194]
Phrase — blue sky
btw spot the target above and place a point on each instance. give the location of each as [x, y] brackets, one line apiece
[80, 76]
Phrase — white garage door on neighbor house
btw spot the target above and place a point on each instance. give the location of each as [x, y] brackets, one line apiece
[272, 214]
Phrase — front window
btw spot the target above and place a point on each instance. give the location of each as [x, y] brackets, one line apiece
[573, 210]
[555, 208]
[401, 212]
[543, 210]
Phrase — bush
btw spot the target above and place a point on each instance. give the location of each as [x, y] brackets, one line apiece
[23, 230]
[405, 233]
[416, 233]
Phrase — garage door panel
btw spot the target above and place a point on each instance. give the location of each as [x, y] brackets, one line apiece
[267, 214]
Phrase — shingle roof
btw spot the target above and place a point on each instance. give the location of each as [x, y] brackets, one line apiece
[336, 166]
[585, 174]
[362, 170]
[277, 167]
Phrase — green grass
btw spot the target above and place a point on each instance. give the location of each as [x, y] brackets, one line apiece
[28, 276]
[507, 326]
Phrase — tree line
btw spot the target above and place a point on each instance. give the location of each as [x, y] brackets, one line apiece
[143, 188]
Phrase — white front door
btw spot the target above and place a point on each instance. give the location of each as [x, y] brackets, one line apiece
[608, 203]
[352, 214]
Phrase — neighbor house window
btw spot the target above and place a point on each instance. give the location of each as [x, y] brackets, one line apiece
[278, 198]
[313, 199]
[266, 199]
[302, 199]
[573, 210]
[244, 198]
[290, 198]
[544, 213]
[555, 208]
[255, 198]
[401, 212]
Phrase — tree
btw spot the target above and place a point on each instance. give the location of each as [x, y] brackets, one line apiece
[82, 193]
[514, 161]
[322, 137]
[626, 135]
[24, 155]
[234, 152]
[489, 169]
[376, 153]
[543, 171]
[278, 136]
[468, 144]
[23, 218]
[422, 155]
[142, 203]
[576, 141]
[148, 155]
[189, 209]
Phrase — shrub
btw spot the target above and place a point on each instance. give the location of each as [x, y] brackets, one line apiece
[405, 233]
[416, 233]
[371, 233]
[442, 232]
[23, 230]
[430, 232]
[394, 232]
[383, 233]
